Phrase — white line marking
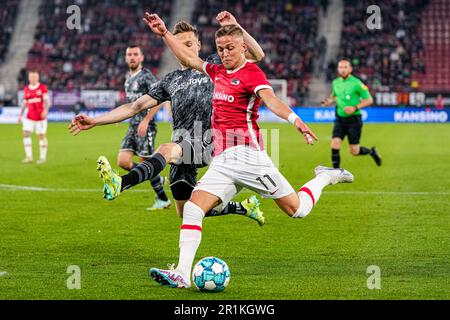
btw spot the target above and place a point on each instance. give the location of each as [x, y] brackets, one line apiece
[3, 273]
[11, 187]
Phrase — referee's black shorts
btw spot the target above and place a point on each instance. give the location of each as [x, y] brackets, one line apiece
[348, 126]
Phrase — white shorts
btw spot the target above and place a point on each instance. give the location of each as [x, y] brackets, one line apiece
[243, 167]
[39, 126]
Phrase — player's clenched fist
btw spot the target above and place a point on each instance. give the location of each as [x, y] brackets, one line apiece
[225, 18]
[155, 23]
[81, 122]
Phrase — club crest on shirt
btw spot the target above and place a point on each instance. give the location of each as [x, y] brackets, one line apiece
[235, 81]
[39, 92]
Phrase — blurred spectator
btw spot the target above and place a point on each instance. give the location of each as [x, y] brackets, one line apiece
[93, 57]
[391, 58]
[8, 14]
[440, 102]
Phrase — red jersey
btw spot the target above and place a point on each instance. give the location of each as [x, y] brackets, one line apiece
[35, 101]
[235, 105]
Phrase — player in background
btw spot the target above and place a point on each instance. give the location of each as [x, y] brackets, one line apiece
[350, 95]
[240, 160]
[36, 99]
[141, 134]
[190, 93]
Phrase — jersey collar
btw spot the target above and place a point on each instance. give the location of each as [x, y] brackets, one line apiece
[34, 87]
[237, 69]
[135, 74]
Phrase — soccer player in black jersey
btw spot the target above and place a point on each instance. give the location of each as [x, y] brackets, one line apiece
[141, 134]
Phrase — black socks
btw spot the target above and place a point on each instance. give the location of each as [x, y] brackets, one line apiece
[146, 170]
[335, 158]
[231, 208]
[363, 151]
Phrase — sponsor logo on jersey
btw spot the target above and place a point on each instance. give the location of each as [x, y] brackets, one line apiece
[198, 81]
[223, 96]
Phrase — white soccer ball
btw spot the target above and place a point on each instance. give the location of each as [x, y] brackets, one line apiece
[211, 274]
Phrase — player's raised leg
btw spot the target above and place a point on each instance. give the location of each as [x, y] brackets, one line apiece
[299, 205]
[152, 166]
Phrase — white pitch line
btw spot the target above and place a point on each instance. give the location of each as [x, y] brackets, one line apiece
[11, 187]
[3, 273]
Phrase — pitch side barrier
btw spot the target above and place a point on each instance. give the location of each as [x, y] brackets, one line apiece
[308, 114]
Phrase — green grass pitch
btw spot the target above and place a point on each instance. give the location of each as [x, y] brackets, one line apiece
[396, 217]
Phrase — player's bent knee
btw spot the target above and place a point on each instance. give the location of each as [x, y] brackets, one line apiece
[125, 164]
[336, 143]
[288, 204]
[304, 207]
[354, 150]
[169, 151]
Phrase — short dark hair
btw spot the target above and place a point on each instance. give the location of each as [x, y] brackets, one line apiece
[133, 46]
[183, 26]
[33, 71]
[346, 60]
[229, 30]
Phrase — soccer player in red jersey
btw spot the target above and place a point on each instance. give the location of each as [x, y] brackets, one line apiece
[37, 101]
[240, 160]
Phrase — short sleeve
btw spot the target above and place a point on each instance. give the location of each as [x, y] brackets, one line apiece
[256, 80]
[158, 92]
[334, 91]
[363, 91]
[210, 69]
[149, 80]
[44, 89]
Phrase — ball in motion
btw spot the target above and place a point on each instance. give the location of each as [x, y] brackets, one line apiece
[211, 274]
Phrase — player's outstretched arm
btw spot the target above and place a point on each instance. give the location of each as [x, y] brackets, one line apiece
[282, 110]
[183, 54]
[83, 122]
[254, 53]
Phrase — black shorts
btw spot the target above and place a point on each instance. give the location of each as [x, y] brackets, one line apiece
[183, 179]
[183, 175]
[140, 146]
[348, 126]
